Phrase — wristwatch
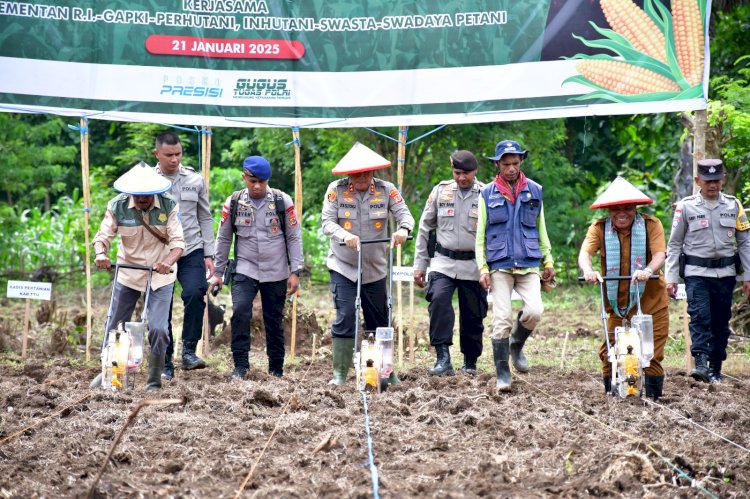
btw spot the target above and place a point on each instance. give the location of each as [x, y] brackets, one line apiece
[297, 272]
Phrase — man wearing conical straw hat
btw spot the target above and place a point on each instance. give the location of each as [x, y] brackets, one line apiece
[629, 243]
[356, 208]
[145, 217]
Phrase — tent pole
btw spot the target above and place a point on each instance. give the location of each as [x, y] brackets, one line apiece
[86, 218]
[298, 208]
[206, 173]
[402, 131]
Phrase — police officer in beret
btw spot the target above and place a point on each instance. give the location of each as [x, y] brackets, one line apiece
[452, 211]
[268, 259]
[512, 245]
[708, 248]
[197, 262]
[358, 207]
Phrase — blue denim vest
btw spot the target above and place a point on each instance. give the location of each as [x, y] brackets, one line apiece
[512, 232]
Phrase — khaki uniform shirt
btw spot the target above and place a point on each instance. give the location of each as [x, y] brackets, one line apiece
[455, 216]
[195, 215]
[655, 295]
[717, 232]
[261, 251]
[137, 245]
[363, 214]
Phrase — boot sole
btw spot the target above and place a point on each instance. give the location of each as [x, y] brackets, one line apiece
[194, 366]
[449, 372]
[698, 377]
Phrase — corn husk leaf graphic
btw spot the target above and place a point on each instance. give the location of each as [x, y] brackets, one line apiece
[659, 54]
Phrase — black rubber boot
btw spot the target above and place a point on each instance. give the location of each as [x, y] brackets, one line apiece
[500, 352]
[714, 371]
[276, 367]
[700, 373]
[470, 366]
[343, 351]
[168, 373]
[238, 374]
[155, 368]
[607, 384]
[443, 365]
[654, 386]
[518, 338]
[191, 361]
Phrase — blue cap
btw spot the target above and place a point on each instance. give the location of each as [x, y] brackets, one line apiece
[508, 147]
[258, 166]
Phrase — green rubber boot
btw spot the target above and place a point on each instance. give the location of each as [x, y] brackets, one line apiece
[343, 351]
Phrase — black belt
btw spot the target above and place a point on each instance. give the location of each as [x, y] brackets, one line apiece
[455, 255]
[710, 263]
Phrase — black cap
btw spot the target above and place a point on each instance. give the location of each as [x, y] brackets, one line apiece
[464, 160]
[710, 169]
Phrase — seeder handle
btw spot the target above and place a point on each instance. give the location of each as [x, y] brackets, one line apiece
[618, 277]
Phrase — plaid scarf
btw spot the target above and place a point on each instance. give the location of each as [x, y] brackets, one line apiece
[505, 189]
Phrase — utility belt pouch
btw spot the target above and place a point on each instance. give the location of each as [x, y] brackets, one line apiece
[682, 264]
[229, 271]
[432, 243]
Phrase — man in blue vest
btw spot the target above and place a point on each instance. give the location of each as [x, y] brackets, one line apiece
[512, 244]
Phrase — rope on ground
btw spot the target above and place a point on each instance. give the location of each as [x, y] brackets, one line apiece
[370, 453]
[693, 482]
[131, 418]
[273, 433]
[34, 425]
[697, 424]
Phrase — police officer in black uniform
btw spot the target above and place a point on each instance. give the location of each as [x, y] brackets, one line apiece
[452, 211]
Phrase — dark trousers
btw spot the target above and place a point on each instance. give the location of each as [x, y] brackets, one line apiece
[272, 297]
[472, 306]
[191, 273]
[710, 307]
[374, 305]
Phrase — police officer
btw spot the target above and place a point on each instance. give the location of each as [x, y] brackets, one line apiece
[268, 258]
[197, 262]
[357, 207]
[146, 218]
[452, 211]
[705, 231]
[512, 243]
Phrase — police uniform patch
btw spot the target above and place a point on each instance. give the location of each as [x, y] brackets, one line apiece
[162, 217]
[348, 199]
[331, 196]
[378, 225]
[396, 196]
[742, 223]
[450, 212]
[271, 206]
[347, 214]
[347, 225]
[274, 229]
[704, 223]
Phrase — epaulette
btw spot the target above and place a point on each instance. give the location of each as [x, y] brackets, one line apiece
[190, 168]
[446, 182]
[343, 181]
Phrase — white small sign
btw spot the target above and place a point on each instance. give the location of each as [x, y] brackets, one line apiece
[681, 293]
[405, 274]
[30, 289]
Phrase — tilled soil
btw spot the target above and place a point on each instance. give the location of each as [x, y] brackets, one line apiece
[554, 435]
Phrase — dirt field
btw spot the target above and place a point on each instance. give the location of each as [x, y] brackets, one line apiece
[554, 435]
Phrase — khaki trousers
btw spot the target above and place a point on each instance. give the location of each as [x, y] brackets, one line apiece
[529, 288]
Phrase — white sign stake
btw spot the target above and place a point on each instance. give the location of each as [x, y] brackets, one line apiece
[30, 291]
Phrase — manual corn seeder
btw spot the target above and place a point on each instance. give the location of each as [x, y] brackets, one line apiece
[122, 351]
[632, 348]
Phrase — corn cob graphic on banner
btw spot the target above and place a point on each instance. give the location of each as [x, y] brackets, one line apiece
[658, 54]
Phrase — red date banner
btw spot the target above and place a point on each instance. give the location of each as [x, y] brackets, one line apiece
[228, 48]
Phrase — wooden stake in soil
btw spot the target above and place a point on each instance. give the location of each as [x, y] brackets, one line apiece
[298, 208]
[26, 318]
[412, 333]
[120, 433]
[565, 344]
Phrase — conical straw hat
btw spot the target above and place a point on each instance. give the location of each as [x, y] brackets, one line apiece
[620, 191]
[142, 180]
[360, 158]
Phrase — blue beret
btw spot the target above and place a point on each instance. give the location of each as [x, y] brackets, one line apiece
[258, 166]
